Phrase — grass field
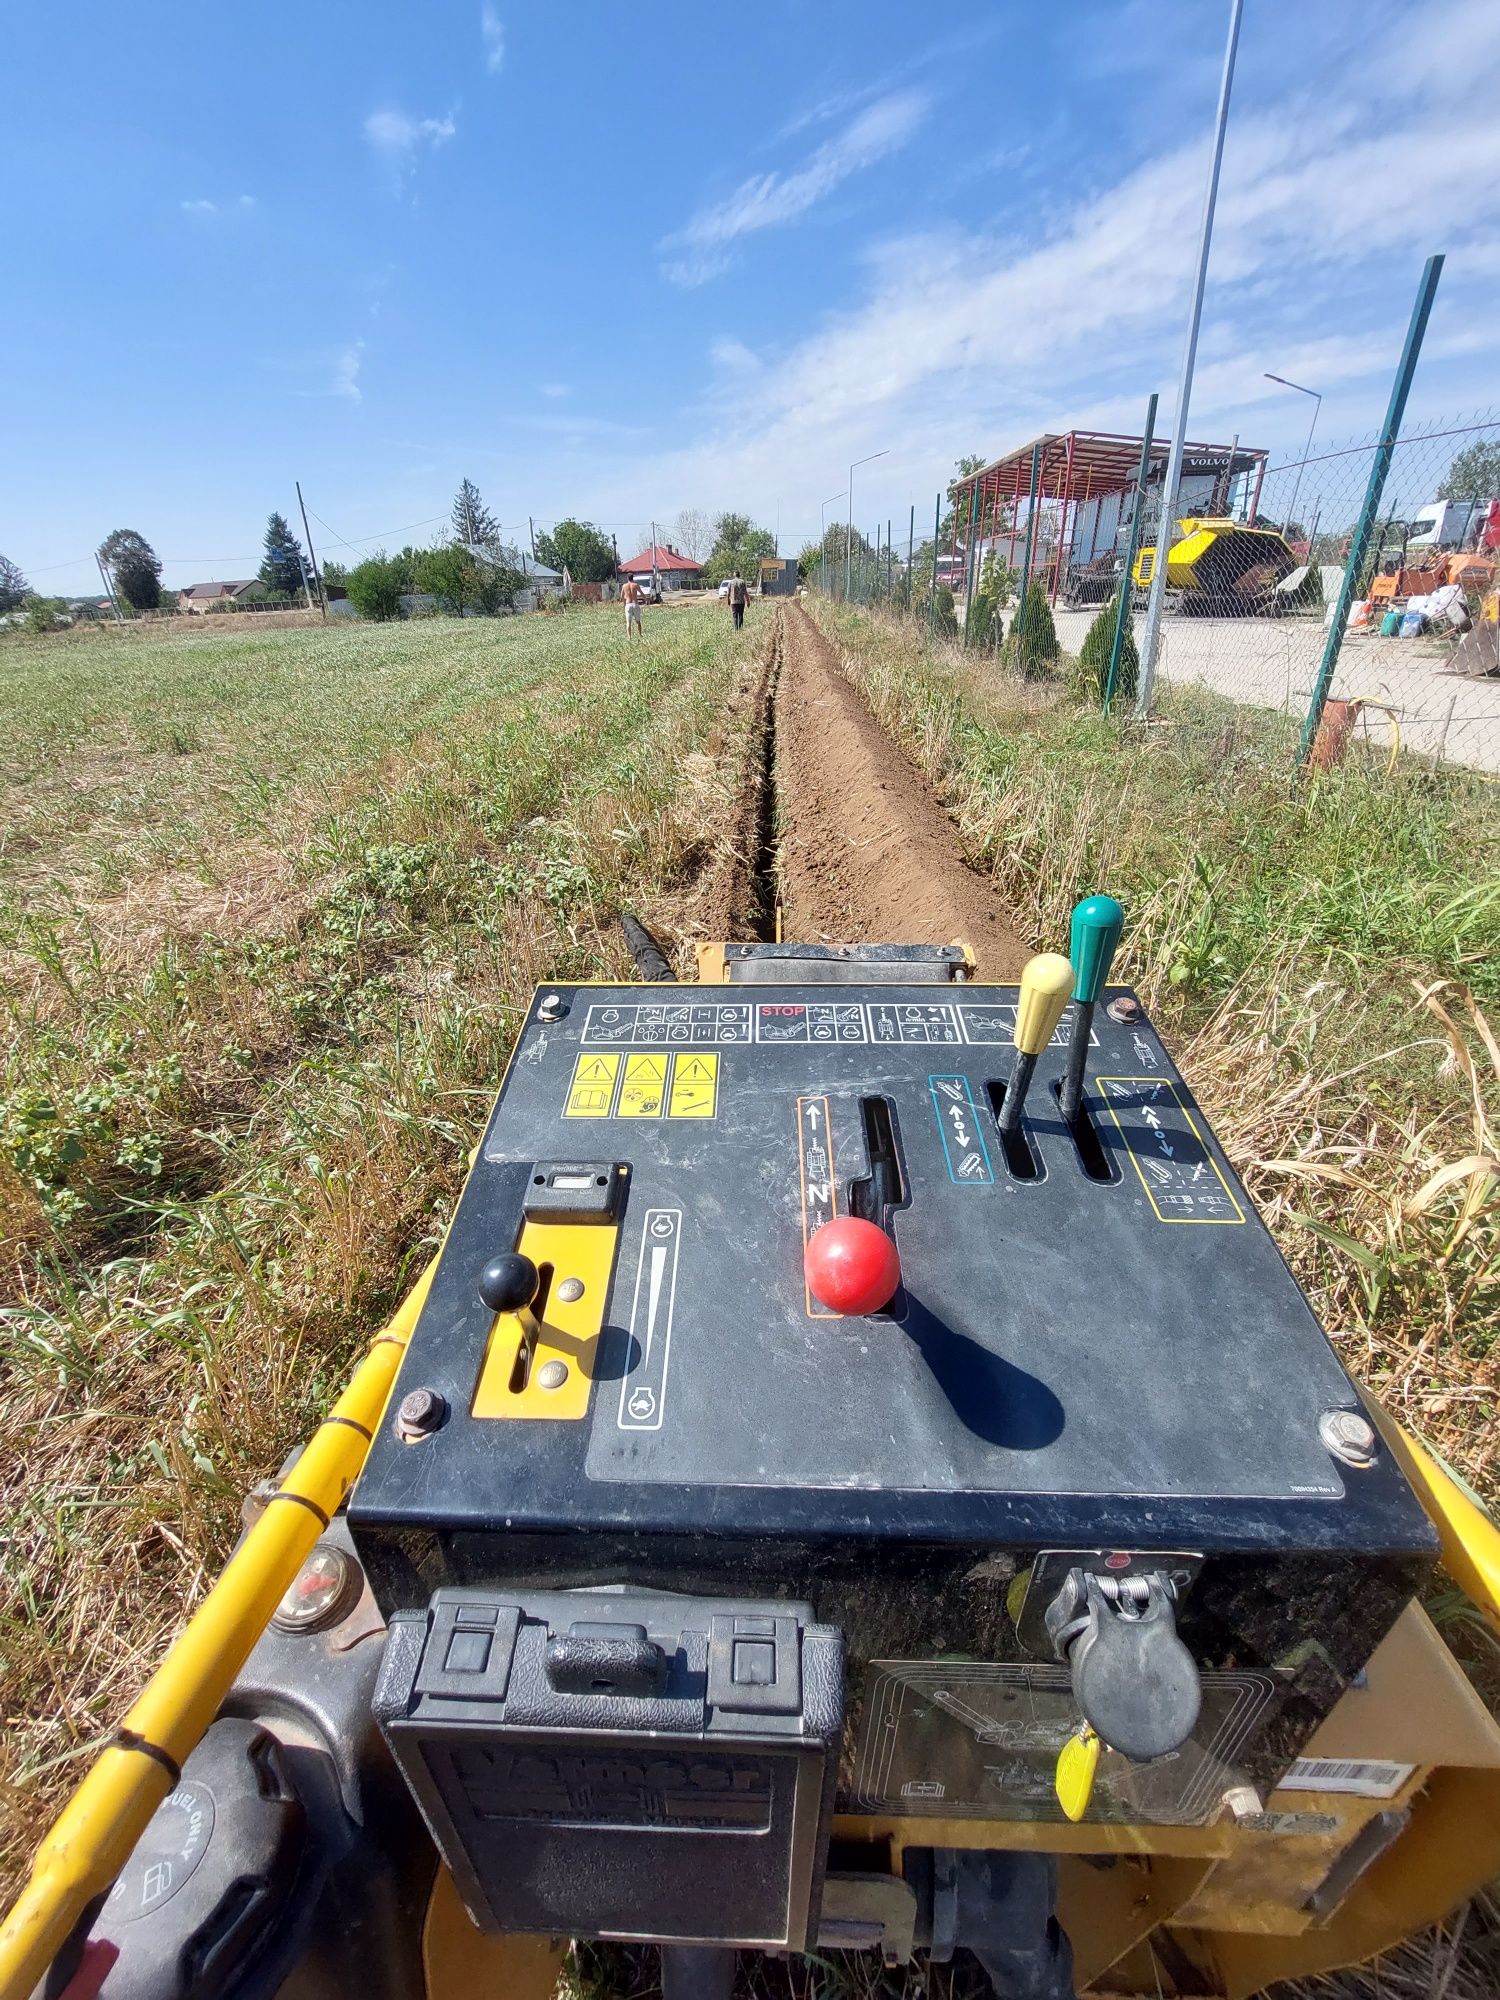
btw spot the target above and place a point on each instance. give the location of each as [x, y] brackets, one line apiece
[268, 905]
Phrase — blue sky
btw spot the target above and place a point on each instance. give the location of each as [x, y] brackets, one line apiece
[621, 262]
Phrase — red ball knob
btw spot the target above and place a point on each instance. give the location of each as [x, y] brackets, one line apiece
[851, 1266]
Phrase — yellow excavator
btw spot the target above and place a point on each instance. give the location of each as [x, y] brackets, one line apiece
[857, 1474]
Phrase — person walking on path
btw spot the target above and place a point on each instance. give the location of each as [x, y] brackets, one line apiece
[632, 597]
[739, 597]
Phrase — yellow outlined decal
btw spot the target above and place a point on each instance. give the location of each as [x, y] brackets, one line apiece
[592, 1090]
[695, 1086]
[1180, 1175]
[644, 1089]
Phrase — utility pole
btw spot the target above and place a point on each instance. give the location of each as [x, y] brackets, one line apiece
[312, 553]
[1151, 637]
[654, 585]
[109, 589]
[531, 531]
[306, 586]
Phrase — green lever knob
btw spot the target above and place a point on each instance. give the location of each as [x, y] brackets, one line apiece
[1097, 923]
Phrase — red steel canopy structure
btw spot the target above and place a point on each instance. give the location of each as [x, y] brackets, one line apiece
[1083, 478]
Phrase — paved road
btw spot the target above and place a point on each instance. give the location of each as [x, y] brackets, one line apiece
[1272, 662]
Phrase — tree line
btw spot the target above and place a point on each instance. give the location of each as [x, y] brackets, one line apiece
[472, 569]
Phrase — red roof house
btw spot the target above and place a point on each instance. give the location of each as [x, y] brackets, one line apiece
[673, 571]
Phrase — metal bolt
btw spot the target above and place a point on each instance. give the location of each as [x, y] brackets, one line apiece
[552, 1374]
[1348, 1435]
[552, 1008]
[569, 1290]
[422, 1412]
[1125, 1008]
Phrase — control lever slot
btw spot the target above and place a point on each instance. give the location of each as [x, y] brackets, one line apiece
[1092, 1158]
[873, 1195]
[1021, 1156]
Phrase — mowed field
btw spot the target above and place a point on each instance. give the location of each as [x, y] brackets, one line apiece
[269, 903]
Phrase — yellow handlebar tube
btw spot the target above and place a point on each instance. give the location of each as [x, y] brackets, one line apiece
[99, 1826]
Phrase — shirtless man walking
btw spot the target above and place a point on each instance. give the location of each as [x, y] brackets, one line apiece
[633, 597]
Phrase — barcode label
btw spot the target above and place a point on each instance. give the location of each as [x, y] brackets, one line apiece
[1367, 1778]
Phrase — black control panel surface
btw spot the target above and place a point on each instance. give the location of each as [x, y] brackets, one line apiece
[1096, 1346]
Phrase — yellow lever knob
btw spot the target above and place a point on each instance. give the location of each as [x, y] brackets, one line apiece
[1045, 986]
[1076, 1765]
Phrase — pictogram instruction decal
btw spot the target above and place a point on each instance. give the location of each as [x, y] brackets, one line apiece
[820, 1195]
[643, 1393]
[1181, 1177]
[691, 1023]
[964, 1149]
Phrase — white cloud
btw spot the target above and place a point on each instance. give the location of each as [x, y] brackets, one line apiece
[554, 389]
[346, 372]
[697, 251]
[202, 207]
[492, 34]
[396, 139]
[246, 201]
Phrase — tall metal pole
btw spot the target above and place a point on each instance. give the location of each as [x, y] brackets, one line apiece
[1302, 390]
[849, 544]
[312, 555]
[1151, 637]
[1132, 542]
[1360, 543]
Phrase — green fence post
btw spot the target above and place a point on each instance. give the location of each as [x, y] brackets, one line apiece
[1359, 545]
[937, 524]
[969, 561]
[911, 543]
[1036, 466]
[1122, 615]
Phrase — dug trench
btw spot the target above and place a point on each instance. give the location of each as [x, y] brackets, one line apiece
[834, 830]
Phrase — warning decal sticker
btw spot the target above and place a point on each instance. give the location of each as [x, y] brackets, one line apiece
[660, 1083]
[592, 1090]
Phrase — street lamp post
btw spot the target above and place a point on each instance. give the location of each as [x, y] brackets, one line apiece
[823, 506]
[849, 526]
[1291, 512]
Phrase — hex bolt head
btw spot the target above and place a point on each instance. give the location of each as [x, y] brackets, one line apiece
[1349, 1435]
[552, 1008]
[1124, 1008]
[422, 1411]
[569, 1290]
[552, 1374]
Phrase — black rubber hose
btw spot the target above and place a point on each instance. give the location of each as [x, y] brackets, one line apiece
[649, 957]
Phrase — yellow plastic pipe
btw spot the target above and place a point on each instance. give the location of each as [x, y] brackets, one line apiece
[97, 1829]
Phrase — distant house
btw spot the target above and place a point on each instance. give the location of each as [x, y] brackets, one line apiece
[199, 596]
[671, 570]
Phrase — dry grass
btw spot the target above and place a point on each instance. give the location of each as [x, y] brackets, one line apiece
[269, 905]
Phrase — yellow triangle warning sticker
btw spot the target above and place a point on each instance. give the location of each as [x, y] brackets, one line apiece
[645, 1069]
[595, 1069]
[697, 1069]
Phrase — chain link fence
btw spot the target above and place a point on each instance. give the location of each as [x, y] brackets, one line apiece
[1417, 669]
[1250, 598]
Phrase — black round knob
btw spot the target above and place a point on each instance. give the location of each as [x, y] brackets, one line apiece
[507, 1283]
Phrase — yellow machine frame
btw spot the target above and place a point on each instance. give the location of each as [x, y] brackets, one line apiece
[1213, 1912]
[1198, 535]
